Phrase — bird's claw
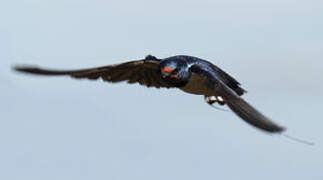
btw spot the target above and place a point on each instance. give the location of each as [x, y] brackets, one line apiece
[213, 99]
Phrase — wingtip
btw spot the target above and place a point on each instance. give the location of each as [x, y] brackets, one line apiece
[275, 129]
[23, 68]
[279, 129]
[17, 68]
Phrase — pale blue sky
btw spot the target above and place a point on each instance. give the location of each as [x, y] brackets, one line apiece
[60, 128]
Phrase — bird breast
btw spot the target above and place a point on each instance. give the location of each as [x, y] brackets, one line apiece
[197, 85]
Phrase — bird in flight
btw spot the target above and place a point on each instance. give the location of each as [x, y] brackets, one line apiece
[190, 74]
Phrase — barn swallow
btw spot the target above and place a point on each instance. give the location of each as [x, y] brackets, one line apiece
[190, 74]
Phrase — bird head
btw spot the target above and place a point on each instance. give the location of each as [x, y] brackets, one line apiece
[175, 71]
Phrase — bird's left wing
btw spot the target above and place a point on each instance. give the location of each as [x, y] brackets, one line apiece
[144, 72]
[238, 105]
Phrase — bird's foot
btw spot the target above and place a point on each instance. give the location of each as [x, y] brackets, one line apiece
[215, 99]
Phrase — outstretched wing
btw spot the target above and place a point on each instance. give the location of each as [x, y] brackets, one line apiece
[144, 72]
[238, 105]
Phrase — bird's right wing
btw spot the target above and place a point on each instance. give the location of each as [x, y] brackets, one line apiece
[144, 72]
[238, 105]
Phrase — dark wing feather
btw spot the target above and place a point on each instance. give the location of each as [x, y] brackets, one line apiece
[238, 105]
[230, 81]
[246, 111]
[144, 72]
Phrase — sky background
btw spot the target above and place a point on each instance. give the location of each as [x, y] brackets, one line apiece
[60, 128]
